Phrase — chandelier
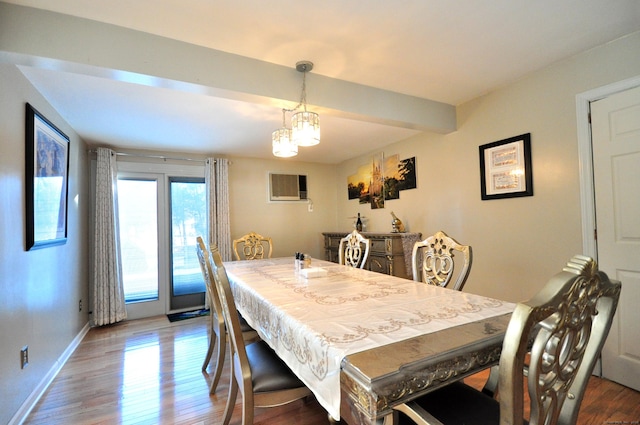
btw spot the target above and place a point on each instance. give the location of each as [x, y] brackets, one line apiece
[283, 144]
[305, 125]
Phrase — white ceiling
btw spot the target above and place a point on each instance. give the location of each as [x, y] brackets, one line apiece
[445, 51]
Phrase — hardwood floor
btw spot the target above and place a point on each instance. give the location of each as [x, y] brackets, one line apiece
[149, 372]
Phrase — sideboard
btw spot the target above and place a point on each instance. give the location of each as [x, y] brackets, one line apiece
[389, 253]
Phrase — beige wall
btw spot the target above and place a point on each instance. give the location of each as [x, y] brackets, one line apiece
[39, 289]
[518, 243]
[290, 224]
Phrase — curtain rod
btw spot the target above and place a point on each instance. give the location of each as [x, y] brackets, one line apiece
[140, 155]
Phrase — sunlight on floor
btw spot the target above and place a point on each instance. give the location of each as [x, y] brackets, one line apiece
[141, 379]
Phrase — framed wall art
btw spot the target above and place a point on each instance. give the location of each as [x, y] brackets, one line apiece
[382, 179]
[47, 181]
[505, 168]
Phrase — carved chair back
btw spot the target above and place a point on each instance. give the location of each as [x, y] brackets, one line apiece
[556, 337]
[218, 335]
[570, 319]
[354, 250]
[253, 246]
[438, 259]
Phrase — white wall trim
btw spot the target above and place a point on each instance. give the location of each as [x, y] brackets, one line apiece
[30, 402]
[587, 195]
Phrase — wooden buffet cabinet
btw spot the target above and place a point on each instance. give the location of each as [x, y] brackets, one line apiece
[390, 253]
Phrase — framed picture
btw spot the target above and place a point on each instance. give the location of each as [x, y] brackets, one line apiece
[381, 180]
[505, 168]
[47, 181]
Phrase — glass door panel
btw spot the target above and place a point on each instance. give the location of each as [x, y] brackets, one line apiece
[188, 221]
[137, 203]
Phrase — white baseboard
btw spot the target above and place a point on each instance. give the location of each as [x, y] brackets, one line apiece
[35, 395]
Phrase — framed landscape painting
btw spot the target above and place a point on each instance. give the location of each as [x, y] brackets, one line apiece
[47, 181]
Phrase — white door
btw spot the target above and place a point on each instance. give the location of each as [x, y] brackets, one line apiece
[616, 168]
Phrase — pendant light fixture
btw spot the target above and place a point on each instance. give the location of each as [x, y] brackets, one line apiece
[305, 125]
[283, 145]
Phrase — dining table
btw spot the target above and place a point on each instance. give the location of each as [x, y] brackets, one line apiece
[364, 341]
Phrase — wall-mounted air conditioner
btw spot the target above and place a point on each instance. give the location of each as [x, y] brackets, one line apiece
[287, 187]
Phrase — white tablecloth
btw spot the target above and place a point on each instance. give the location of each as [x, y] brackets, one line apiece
[314, 323]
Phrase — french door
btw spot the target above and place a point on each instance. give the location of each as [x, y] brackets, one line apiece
[161, 212]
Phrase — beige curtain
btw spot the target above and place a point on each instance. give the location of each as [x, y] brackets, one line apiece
[108, 291]
[216, 179]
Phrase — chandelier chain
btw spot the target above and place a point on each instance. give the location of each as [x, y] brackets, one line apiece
[303, 96]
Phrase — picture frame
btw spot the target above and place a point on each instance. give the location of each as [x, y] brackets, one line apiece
[382, 180]
[47, 181]
[505, 168]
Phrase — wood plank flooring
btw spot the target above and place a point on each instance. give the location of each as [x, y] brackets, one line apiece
[148, 371]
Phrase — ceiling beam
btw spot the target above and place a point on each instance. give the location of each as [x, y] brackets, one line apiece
[39, 38]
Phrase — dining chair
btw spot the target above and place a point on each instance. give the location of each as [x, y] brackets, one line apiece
[434, 261]
[354, 250]
[559, 333]
[263, 379]
[253, 247]
[217, 328]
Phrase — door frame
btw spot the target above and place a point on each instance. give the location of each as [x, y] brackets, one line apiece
[165, 171]
[585, 153]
